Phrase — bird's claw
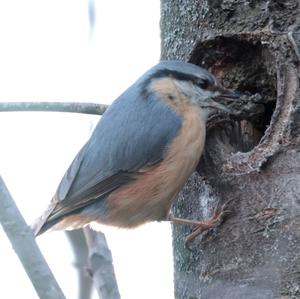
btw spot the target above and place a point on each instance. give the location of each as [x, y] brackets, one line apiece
[216, 219]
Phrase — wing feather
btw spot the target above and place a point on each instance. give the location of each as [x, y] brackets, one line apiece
[133, 133]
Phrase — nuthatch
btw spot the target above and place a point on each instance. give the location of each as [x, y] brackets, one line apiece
[141, 152]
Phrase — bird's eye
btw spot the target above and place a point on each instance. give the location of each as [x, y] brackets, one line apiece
[203, 83]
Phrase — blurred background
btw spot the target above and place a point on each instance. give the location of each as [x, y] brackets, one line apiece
[73, 50]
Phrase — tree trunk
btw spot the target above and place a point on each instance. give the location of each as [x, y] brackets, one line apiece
[253, 163]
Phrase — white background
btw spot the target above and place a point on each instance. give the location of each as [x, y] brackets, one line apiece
[48, 52]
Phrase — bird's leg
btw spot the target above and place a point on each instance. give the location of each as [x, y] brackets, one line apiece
[201, 226]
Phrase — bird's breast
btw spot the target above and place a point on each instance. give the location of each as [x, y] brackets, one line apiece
[149, 197]
[185, 151]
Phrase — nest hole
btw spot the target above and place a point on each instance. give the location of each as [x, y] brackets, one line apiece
[244, 65]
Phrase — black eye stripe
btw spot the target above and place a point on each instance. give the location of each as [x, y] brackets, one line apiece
[203, 83]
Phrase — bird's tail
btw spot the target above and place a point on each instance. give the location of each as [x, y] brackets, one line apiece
[39, 226]
[50, 221]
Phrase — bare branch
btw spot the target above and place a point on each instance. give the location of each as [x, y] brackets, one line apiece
[23, 242]
[81, 255]
[86, 108]
[100, 265]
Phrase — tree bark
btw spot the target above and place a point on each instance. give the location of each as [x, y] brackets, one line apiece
[253, 162]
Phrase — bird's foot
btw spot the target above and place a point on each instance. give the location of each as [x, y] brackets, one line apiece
[201, 226]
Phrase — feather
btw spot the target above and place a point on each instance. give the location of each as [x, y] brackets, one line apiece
[132, 134]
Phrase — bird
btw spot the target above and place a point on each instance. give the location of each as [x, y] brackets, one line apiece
[141, 153]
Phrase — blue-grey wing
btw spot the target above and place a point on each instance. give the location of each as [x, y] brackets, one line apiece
[134, 132]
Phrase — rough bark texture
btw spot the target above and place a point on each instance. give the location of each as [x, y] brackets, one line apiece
[250, 46]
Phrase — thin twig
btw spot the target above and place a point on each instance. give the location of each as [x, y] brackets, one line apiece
[81, 255]
[23, 242]
[100, 265]
[72, 107]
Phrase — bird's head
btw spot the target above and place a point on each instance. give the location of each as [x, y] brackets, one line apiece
[184, 83]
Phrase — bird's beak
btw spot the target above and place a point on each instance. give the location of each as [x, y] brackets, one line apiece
[222, 93]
